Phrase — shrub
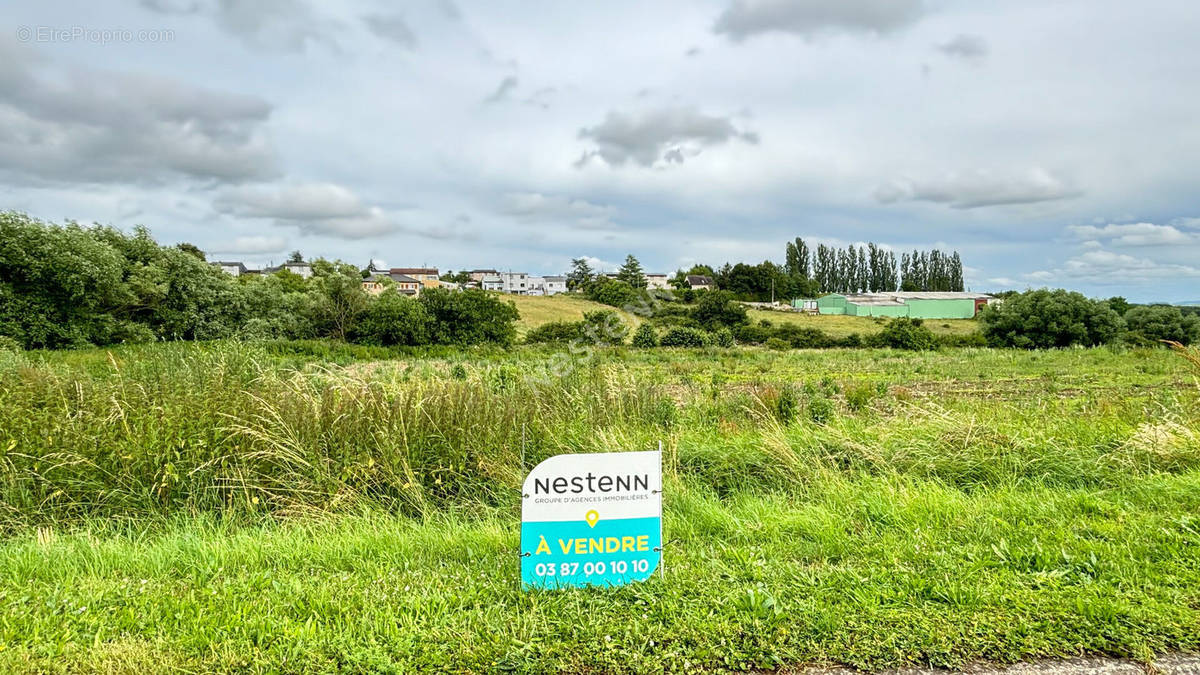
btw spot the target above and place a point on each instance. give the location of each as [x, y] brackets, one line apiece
[723, 337]
[469, 317]
[778, 344]
[603, 327]
[458, 372]
[859, 396]
[820, 409]
[1044, 319]
[555, 331]
[1153, 324]
[905, 333]
[392, 319]
[715, 309]
[803, 337]
[853, 341]
[645, 337]
[8, 344]
[611, 292]
[752, 335]
[684, 337]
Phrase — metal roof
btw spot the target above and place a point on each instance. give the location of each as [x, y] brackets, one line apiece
[898, 297]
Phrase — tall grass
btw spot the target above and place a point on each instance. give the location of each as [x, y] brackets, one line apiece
[247, 429]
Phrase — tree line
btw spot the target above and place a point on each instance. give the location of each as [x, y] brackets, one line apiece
[75, 286]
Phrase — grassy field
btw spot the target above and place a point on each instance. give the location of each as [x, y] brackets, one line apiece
[841, 326]
[538, 310]
[541, 309]
[260, 508]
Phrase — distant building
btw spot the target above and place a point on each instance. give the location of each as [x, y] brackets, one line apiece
[555, 285]
[377, 280]
[478, 275]
[700, 282]
[917, 304]
[492, 283]
[657, 282]
[516, 283]
[428, 276]
[301, 268]
[237, 269]
[406, 285]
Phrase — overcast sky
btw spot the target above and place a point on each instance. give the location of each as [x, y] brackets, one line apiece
[1053, 143]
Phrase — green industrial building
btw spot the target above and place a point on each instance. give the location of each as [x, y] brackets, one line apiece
[916, 305]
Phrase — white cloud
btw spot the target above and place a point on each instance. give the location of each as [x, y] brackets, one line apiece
[1108, 267]
[315, 208]
[252, 245]
[978, 188]
[1135, 234]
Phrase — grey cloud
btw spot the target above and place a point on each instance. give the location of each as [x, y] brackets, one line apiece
[290, 25]
[393, 28]
[330, 210]
[974, 189]
[307, 201]
[746, 18]
[251, 245]
[965, 47]
[537, 207]
[503, 90]
[64, 125]
[459, 229]
[541, 97]
[314, 208]
[450, 9]
[668, 135]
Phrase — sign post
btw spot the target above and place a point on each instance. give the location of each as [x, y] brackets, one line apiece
[592, 520]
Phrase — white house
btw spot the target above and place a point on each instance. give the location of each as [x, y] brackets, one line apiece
[237, 269]
[516, 283]
[657, 282]
[491, 283]
[302, 268]
[554, 285]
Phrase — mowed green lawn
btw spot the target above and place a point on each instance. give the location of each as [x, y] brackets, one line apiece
[222, 508]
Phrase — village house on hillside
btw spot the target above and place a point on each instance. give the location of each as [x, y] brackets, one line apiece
[655, 281]
[235, 268]
[428, 276]
[301, 268]
[374, 282]
[479, 274]
[700, 282]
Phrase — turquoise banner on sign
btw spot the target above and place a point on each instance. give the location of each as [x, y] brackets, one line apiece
[564, 554]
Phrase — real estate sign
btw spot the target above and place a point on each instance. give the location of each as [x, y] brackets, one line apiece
[592, 520]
